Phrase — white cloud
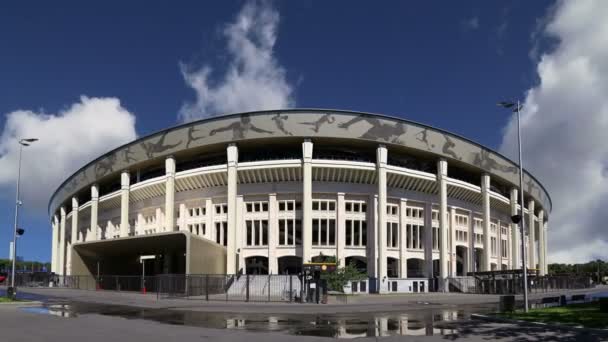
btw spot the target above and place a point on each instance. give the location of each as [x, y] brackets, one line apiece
[68, 140]
[565, 129]
[253, 79]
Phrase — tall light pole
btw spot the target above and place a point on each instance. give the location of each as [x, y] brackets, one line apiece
[22, 142]
[516, 107]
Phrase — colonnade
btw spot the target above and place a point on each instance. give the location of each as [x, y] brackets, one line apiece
[62, 243]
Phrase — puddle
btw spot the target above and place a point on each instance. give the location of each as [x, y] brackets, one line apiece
[419, 322]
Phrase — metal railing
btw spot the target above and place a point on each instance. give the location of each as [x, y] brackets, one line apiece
[514, 285]
[225, 287]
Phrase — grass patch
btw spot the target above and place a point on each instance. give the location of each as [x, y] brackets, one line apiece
[587, 315]
[7, 300]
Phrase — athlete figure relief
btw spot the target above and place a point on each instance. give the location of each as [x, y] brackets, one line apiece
[448, 147]
[423, 136]
[379, 130]
[279, 121]
[106, 165]
[191, 137]
[484, 161]
[326, 118]
[127, 155]
[239, 129]
[158, 147]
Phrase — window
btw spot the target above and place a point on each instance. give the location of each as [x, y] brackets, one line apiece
[356, 233]
[414, 213]
[323, 232]
[355, 206]
[478, 239]
[462, 220]
[220, 233]
[493, 228]
[196, 212]
[257, 232]
[256, 207]
[323, 205]
[435, 215]
[288, 205]
[504, 230]
[415, 235]
[493, 246]
[221, 208]
[392, 235]
[461, 236]
[436, 238]
[504, 248]
[392, 209]
[287, 232]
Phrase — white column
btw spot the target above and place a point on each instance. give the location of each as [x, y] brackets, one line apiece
[381, 160]
[531, 235]
[341, 229]
[498, 246]
[541, 242]
[428, 236]
[403, 238]
[485, 204]
[515, 242]
[74, 234]
[233, 157]
[62, 242]
[240, 232]
[170, 194]
[471, 236]
[273, 234]
[307, 147]
[372, 237]
[124, 203]
[442, 173]
[545, 228]
[209, 224]
[452, 243]
[183, 214]
[54, 244]
[94, 212]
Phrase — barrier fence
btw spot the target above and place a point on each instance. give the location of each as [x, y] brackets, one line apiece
[514, 285]
[272, 288]
[258, 288]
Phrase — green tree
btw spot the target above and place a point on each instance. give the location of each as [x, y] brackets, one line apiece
[337, 279]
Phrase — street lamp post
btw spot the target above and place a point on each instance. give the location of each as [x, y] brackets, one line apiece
[516, 107]
[22, 142]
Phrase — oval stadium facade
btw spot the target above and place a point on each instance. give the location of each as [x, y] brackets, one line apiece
[264, 192]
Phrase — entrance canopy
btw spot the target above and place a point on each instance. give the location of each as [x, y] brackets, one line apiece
[175, 253]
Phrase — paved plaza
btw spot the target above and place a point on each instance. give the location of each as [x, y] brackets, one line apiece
[113, 316]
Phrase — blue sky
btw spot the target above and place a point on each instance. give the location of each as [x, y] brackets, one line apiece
[444, 63]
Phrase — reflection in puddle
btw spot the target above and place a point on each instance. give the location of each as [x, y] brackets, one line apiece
[417, 323]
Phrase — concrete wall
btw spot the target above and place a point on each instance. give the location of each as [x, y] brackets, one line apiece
[204, 256]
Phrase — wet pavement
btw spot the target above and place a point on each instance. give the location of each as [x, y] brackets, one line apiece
[425, 322]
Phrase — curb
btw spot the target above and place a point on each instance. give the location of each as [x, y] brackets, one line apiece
[21, 303]
[490, 318]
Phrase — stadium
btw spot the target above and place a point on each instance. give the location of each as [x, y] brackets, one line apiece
[266, 192]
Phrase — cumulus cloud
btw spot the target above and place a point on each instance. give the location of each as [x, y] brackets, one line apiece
[68, 140]
[564, 130]
[253, 79]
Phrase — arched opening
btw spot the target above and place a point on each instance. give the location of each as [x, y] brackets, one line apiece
[493, 267]
[415, 268]
[290, 265]
[359, 262]
[505, 267]
[461, 261]
[256, 265]
[392, 267]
